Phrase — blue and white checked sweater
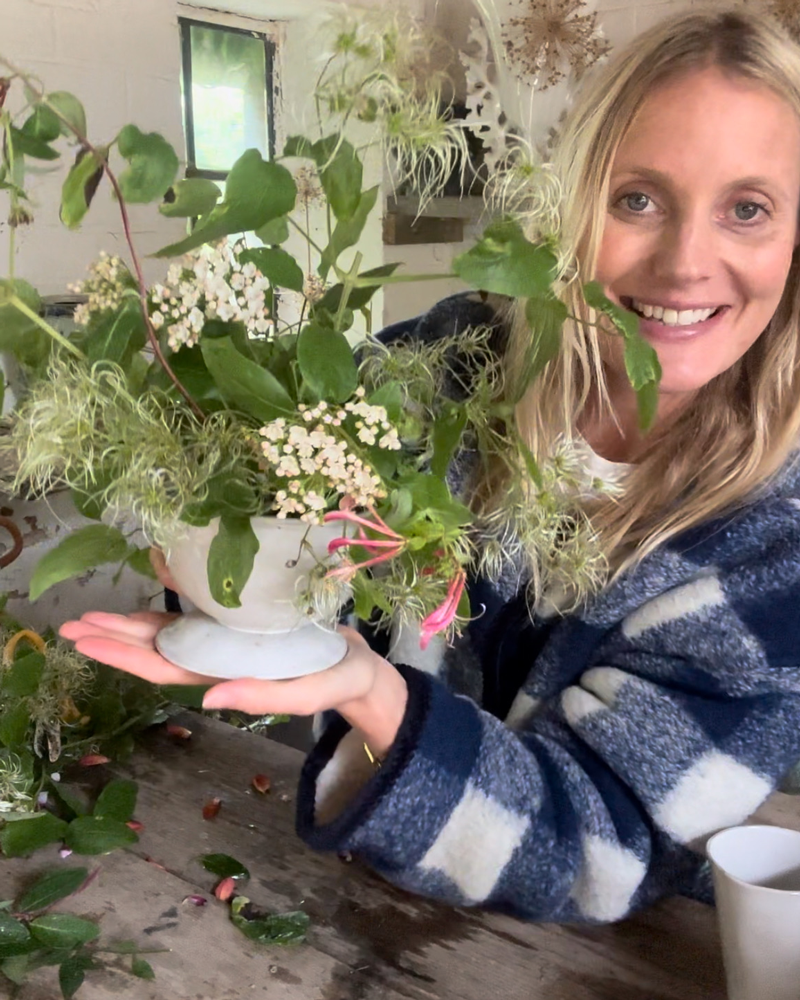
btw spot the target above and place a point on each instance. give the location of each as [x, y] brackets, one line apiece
[571, 769]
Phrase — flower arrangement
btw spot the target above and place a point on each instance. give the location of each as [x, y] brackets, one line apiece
[231, 389]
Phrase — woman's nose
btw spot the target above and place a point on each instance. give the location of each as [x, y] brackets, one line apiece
[684, 252]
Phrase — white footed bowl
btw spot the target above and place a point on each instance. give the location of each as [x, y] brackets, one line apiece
[269, 598]
[270, 635]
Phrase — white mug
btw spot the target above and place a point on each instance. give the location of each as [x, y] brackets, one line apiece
[757, 887]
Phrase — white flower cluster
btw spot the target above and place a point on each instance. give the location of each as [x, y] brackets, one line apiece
[210, 283]
[104, 287]
[316, 462]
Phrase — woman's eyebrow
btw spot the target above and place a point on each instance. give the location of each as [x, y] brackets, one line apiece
[664, 179]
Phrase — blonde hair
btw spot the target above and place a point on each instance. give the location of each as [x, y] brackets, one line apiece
[741, 427]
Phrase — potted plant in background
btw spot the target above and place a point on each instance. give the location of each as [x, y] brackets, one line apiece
[225, 411]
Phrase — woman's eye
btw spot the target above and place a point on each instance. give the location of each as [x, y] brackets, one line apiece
[746, 211]
[636, 201]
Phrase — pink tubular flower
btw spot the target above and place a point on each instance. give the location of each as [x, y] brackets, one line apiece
[441, 617]
[381, 549]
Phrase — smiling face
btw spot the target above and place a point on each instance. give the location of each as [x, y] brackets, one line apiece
[702, 222]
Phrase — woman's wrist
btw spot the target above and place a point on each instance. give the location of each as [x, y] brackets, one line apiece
[377, 715]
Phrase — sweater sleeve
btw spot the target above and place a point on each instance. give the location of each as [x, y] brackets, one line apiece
[682, 720]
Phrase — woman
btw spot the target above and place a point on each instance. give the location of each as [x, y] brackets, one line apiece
[620, 735]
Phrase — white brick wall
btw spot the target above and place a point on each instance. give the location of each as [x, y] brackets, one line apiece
[122, 59]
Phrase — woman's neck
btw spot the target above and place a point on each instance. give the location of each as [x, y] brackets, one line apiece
[614, 433]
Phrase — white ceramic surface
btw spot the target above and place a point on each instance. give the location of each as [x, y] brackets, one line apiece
[757, 887]
[199, 643]
[268, 598]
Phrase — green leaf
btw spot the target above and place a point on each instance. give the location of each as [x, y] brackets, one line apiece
[139, 562]
[348, 231]
[24, 836]
[80, 186]
[71, 974]
[15, 722]
[188, 695]
[16, 968]
[80, 551]
[29, 145]
[256, 192]
[63, 930]
[23, 677]
[503, 261]
[546, 315]
[647, 404]
[43, 124]
[359, 297]
[88, 505]
[274, 232]
[153, 164]
[224, 866]
[117, 800]
[447, 431]
[326, 363]
[280, 928]
[14, 937]
[51, 887]
[244, 384]
[641, 362]
[279, 267]
[98, 835]
[230, 559]
[74, 802]
[118, 335]
[298, 145]
[142, 969]
[625, 321]
[341, 175]
[70, 108]
[19, 334]
[190, 198]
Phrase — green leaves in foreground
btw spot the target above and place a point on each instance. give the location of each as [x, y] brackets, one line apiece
[503, 261]
[80, 551]
[327, 364]
[224, 866]
[256, 192]
[641, 360]
[153, 164]
[31, 939]
[24, 836]
[278, 928]
[51, 887]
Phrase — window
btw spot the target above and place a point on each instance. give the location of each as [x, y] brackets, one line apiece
[227, 96]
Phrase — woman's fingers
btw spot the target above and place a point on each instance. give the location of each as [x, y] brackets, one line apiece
[143, 662]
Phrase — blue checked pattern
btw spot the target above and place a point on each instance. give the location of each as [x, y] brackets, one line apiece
[666, 709]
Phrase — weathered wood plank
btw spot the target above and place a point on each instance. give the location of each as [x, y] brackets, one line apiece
[368, 940]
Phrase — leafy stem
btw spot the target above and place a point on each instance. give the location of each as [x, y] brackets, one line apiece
[88, 147]
[305, 235]
[350, 279]
[16, 301]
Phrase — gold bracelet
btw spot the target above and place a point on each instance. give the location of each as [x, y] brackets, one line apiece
[372, 758]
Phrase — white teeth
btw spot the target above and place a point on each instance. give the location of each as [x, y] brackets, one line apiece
[671, 317]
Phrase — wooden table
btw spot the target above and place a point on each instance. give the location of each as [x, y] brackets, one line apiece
[367, 940]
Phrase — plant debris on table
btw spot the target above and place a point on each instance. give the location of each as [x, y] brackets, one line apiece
[31, 937]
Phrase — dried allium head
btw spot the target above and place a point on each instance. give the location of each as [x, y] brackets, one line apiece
[553, 38]
[309, 191]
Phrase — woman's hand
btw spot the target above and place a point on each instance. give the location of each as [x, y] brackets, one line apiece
[363, 687]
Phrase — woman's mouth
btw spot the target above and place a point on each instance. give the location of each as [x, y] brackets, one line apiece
[670, 321]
